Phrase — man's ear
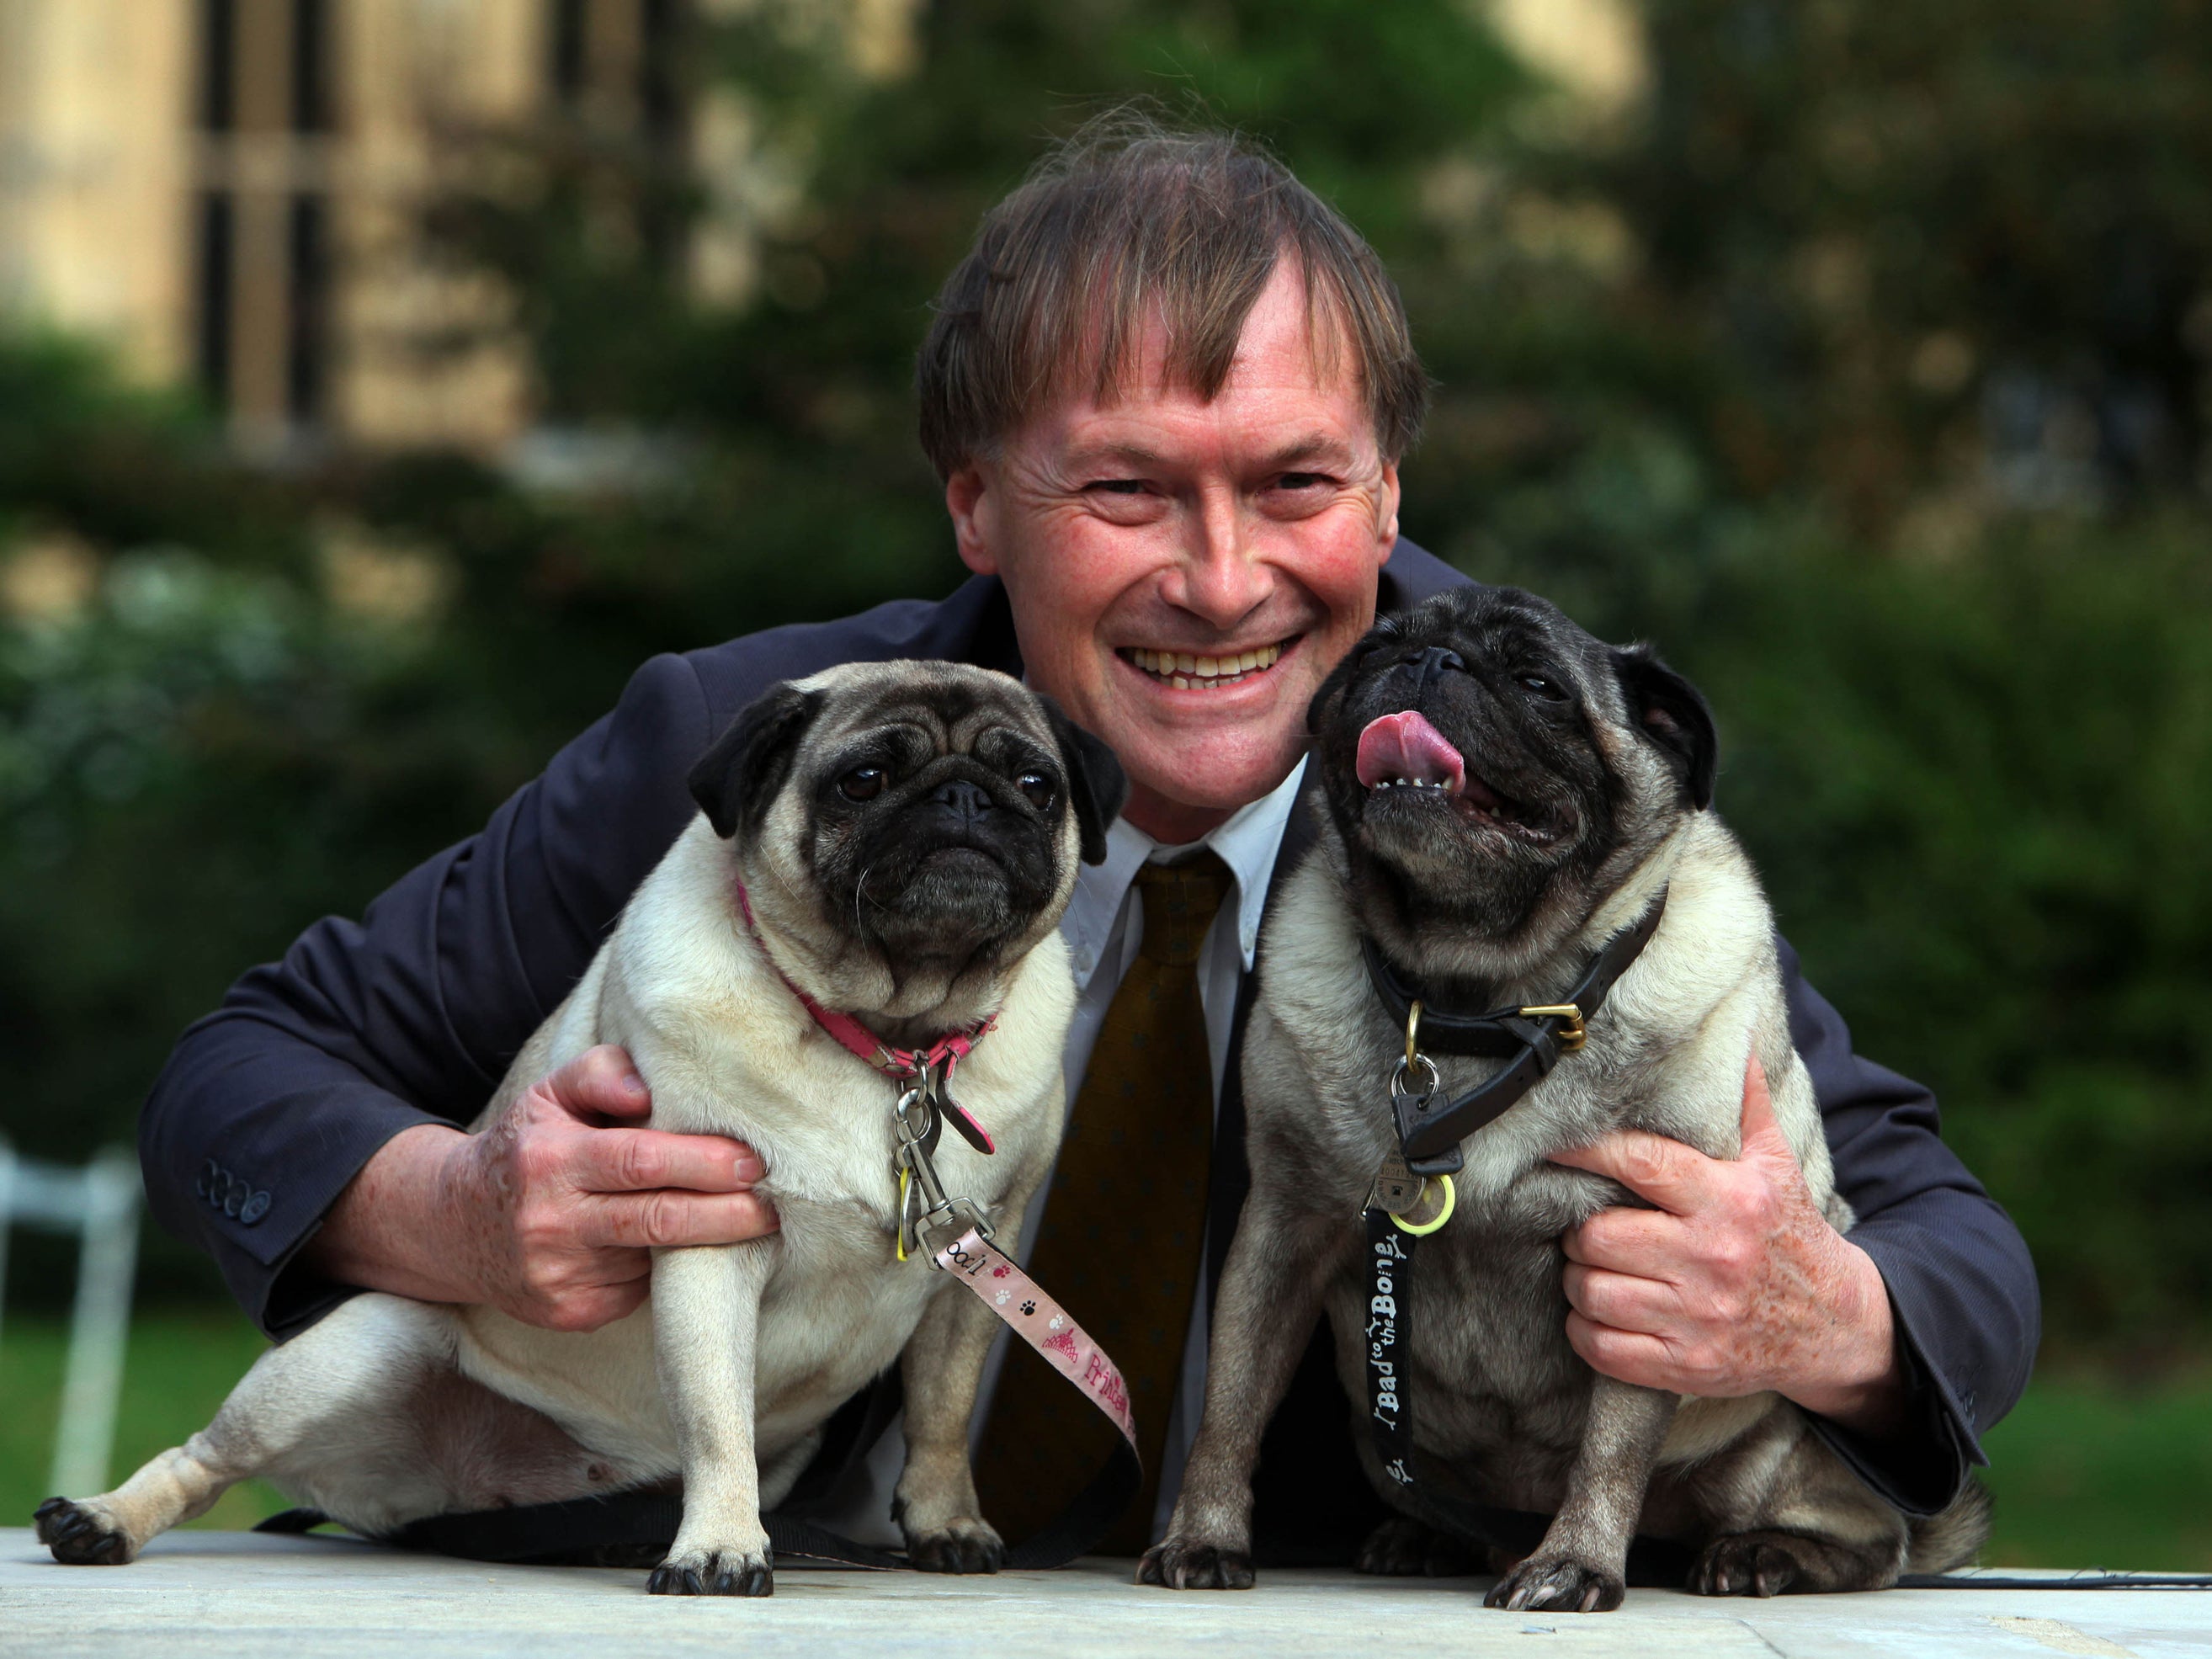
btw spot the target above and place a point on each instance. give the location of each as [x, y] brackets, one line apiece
[738, 779]
[1672, 713]
[1096, 786]
[964, 499]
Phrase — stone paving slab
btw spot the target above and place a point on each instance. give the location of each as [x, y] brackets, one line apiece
[242, 1596]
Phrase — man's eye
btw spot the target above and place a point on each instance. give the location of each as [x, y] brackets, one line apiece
[862, 783]
[1036, 789]
[1118, 486]
[1302, 481]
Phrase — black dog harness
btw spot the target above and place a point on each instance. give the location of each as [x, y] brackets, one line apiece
[1430, 1126]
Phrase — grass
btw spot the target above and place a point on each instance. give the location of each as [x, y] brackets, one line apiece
[179, 1368]
[2093, 1472]
[2086, 1472]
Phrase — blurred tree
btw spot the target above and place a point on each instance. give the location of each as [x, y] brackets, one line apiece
[1919, 268]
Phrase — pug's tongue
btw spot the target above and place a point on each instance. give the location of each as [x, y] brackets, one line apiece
[1405, 745]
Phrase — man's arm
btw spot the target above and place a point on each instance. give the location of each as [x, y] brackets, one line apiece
[551, 1213]
[372, 1040]
[1962, 1286]
[1905, 1337]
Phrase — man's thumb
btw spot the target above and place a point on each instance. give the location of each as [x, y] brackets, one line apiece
[600, 1082]
[1761, 1134]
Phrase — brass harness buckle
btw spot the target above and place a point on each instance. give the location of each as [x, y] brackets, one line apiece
[1572, 1036]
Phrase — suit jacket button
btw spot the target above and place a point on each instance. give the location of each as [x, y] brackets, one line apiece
[256, 1207]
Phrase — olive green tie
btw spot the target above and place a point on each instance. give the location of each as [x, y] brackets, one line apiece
[1123, 1227]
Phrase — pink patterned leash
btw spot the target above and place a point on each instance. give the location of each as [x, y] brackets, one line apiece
[1041, 1322]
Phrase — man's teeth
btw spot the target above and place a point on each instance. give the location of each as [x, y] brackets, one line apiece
[1449, 789]
[1184, 670]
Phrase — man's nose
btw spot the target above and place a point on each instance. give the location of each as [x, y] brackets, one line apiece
[965, 802]
[1219, 577]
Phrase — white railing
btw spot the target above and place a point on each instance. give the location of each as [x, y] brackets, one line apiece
[99, 1204]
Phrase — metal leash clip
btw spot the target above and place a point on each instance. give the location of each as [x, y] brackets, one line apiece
[1397, 1191]
[919, 1187]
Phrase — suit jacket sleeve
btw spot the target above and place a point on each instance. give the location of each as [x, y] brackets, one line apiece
[269, 1105]
[1962, 1286]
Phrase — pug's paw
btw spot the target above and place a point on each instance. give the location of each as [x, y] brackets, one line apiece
[1558, 1583]
[713, 1573]
[1749, 1563]
[1403, 1547]
[83, 1535]
[1185, 1564]
[969, 1544]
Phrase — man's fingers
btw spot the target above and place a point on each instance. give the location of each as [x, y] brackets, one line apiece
[1625, 1301]
[1630, 1355]
[677, 1220]
[643, 1160]
[599, 1083]
[1626, 1241]
[1664, 1172]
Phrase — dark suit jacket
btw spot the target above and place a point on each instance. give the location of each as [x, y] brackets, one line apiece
[272, 1103]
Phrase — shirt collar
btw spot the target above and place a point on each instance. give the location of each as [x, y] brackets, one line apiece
[1246, 841]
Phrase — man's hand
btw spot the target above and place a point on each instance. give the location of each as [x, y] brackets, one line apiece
[550, 1214]
[1735, 1284]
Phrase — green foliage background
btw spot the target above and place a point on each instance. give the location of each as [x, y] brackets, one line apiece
[1862, 367]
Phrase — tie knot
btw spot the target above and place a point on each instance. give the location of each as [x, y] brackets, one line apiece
[1180, 902]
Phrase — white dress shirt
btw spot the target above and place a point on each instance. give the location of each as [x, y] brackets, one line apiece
[1103, 926]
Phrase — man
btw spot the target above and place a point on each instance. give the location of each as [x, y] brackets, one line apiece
[1168, 392]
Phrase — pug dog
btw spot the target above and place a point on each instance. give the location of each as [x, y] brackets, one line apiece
[1505, 796]
[895, 841]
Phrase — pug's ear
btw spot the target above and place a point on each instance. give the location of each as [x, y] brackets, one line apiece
[738, 779]
[1096, 786]
[1672, 713]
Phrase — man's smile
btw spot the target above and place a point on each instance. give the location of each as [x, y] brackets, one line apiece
[1188, 671]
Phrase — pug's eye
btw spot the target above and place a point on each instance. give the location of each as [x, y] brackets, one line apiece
[1542, 687]
[862, 783]
[1036, 789]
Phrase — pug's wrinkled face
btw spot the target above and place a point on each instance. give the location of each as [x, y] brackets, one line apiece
[910, 826]
[1494, 771]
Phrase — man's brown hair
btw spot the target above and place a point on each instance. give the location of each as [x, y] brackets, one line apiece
[1129, 220]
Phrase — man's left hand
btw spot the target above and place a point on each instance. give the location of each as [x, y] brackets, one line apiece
[1736, 1283]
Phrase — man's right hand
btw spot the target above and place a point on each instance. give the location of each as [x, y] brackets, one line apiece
[551, 1212]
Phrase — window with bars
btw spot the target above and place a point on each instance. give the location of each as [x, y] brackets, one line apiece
[262, 267]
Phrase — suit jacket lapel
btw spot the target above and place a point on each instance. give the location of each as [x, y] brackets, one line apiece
[1231, 1176]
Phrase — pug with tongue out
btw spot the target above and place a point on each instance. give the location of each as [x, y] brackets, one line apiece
[1511, 805]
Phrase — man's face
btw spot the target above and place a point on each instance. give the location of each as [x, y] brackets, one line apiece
[1183, 575]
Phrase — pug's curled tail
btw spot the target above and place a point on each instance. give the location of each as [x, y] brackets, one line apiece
[1953, 1536]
